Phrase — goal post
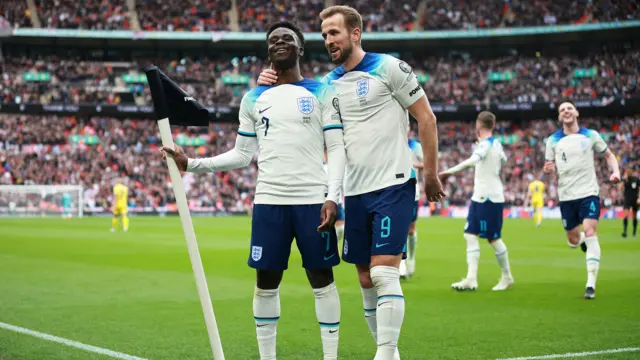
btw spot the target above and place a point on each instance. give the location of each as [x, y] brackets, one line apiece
[41, 200]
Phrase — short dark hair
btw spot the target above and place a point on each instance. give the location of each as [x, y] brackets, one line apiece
[566, 100]
[288, 25]
[487, 119]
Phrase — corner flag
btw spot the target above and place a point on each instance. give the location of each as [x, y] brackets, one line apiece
[173, 106]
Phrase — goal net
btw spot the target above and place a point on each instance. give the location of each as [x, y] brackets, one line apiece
[41, 200]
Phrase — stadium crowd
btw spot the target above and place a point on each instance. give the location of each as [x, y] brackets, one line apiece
[40, 150]
[450, 80]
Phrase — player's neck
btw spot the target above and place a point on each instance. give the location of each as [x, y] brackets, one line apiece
[289, 76]
[485, 135]
[355, 59]
[572, 128]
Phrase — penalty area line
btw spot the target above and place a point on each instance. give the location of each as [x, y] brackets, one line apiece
[575, 355]
[70, 343]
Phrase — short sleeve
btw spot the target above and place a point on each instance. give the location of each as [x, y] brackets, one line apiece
[550, 151]
[330, 109]
[599, 146]
[417, 150]
[482, 149]
[245, 115]
[402, 81]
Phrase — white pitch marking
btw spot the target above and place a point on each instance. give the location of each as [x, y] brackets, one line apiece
[574, 355]
[71, 343]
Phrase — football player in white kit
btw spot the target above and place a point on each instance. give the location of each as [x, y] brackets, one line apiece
[487, 203]
[376, 92]
[408, 265]
[290, 122]
[570, 150]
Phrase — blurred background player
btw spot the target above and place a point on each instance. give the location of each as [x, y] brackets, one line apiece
[291, 122]
[631, 201]
[120, 199]
[408, 265]
[485, 212]
[66, 205]
[570, 150]
[535, 194]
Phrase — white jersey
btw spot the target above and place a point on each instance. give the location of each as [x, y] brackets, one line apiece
[416, 157]
[573, 155]
[374, 98]
[289, 121]
[487, 184]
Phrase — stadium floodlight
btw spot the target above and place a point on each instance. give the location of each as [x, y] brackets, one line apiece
[173, 106]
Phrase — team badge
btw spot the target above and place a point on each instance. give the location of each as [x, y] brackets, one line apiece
[362, 87]
[256, 253]
[305, 105]
[405, 67]
[335, 104]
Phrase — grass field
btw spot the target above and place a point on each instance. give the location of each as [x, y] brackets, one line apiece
[134, 293]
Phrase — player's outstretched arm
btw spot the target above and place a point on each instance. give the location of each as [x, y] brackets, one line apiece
[612, 162]
[239, 156]
[428, 132]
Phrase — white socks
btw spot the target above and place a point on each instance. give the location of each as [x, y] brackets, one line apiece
[412, 242]
[473, 255]
[502, 256]
[593, 260]
[390, 309]
[340, 231]
[266, 312]
[370, 302]
[328, 313]
[582, 237]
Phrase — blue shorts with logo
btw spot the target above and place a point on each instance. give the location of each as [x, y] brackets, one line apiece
[378, 222]
[415, 211]
[273, 229]
[575, 211]
[485, 220]
[340, 216]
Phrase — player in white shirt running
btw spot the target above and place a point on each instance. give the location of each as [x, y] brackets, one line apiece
[487, 203]
[290, 122]
[375, 93]
[570, 150]
[408, 265]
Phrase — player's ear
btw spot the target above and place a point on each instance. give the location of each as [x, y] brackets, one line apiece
[355, 35]
[300, 52]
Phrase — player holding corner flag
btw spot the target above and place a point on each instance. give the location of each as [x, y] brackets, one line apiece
[571, 150]
[375, 93]
[485, 212]
[291, 122]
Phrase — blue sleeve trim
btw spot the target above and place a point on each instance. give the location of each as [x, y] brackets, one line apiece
[605, 149]
[331, 127]
[247, 134]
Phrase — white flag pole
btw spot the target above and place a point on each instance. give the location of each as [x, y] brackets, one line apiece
[161, 110]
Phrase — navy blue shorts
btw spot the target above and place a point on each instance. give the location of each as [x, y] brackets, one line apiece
[415, 211]
[272, 231]
[575, 211]
[485, 220]
[378, 222]
[340, 216]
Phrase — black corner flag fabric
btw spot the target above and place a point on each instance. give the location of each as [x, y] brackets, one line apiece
[169, 100]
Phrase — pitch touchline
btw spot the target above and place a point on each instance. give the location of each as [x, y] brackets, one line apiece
[71, 343]
[572, 355]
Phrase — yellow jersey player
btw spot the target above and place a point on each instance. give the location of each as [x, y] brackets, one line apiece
[535, 194]
[120, 197]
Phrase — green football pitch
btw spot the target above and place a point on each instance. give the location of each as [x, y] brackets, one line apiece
[134, 293]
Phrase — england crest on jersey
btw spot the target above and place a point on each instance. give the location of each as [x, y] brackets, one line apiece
[256, 253]
[362, 87]
[305, 105]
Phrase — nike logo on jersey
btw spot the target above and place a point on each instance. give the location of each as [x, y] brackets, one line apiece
[263, 110]
[381, 245]
[329, 257]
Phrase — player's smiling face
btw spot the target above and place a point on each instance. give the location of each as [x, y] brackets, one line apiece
[337, 38]
[284, 48]
[567, 113]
